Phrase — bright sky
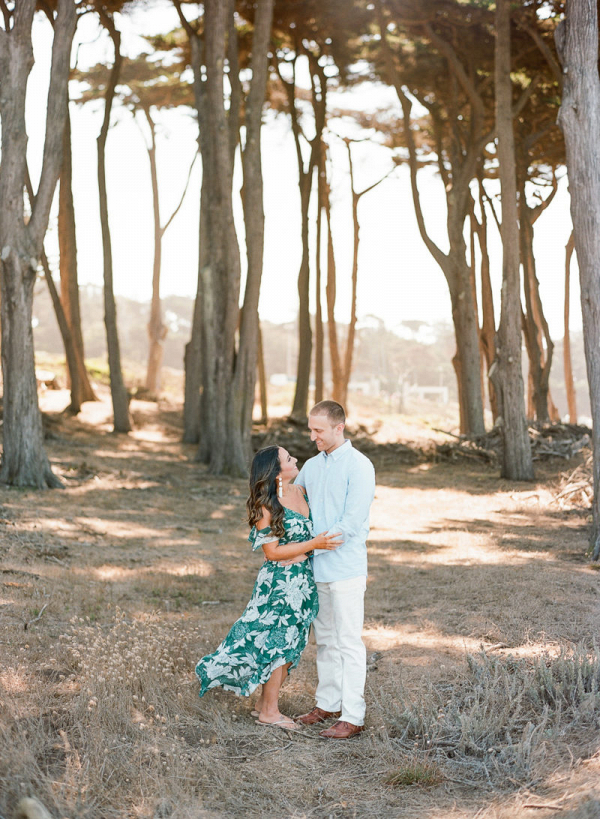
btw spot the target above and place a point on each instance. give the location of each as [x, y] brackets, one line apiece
[398, 279]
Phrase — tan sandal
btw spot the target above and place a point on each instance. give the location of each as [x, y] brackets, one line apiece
[286, 724]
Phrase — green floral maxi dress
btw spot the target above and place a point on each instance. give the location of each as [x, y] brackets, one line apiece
[273, 630]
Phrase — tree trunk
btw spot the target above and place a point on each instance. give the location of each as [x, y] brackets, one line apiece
[120, 398]
[24, 461]
[579, 118]
[79, 382]
[568, 365]
[454, 263]
[535, 326]
[331, 292]
[262, 380]
[517, 462]
[156, 329]
[319, 338]
[488, 321]
[65, 332]
[305, 177]
[243, 386]
[220, 279]
[300, 405]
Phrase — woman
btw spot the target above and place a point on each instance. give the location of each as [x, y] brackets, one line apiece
[272, 633]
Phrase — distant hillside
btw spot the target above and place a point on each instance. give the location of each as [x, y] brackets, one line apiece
[383, 359]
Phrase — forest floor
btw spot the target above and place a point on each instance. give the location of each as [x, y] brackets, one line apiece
[481, 610]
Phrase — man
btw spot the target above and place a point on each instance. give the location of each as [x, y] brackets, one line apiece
[340, 483]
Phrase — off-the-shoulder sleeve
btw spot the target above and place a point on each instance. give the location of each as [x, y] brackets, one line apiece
[258, 537]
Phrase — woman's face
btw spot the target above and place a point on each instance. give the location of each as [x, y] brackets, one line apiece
[289, 470]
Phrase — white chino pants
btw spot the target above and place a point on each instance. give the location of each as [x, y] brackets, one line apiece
[341, 653]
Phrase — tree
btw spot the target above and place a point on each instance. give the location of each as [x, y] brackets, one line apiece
[145, 87]
[79, 382]
[118, 391]
[568, 364]
[228, 374]
[428, 66]
[24, 461]
[517, 462]
[579, 118]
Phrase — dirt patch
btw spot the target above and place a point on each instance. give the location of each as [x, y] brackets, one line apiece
[480, 616]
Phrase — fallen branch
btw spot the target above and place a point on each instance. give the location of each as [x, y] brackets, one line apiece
[35, 619]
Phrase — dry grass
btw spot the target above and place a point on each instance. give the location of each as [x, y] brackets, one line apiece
[483, 689]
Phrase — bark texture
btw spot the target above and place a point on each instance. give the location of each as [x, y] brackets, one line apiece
[517, 462]
[579, 118]
[24, 461]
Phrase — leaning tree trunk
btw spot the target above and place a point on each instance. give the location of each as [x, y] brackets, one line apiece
[24, 461]
[517, 462]
[81, 388]
[579, 118]
[467, 361]
[120, 399]
[568, 364]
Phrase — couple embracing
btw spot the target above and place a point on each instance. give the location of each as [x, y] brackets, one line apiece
[305, 579]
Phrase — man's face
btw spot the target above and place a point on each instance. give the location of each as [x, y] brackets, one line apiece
[323, 433]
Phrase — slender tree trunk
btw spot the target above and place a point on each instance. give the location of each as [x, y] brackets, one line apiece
[244, 377]
[300, 405]
[120, 398]
[579, 118]
[24, 461]
[488, 322]
[319, 337]
[63, 326]
[262, 380]
[331, 293]
[156, 329]
[517, 461]
[305, 176]
[568, 365]
[79, 382]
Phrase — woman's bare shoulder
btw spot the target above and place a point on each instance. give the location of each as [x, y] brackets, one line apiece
[265, 519]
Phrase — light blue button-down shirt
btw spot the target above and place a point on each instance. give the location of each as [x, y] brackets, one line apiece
[340, 489]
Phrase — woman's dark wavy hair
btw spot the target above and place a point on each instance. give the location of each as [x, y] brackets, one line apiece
[263, 489]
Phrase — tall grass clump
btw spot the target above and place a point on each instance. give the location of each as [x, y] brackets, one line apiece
[501, 719]
[102, 734]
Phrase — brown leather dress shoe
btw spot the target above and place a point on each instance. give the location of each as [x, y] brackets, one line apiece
[342, 730]
[316, 715]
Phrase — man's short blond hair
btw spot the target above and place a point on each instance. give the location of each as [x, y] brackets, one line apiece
[334, 412]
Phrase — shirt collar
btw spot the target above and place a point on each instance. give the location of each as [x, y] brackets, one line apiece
[341, 450]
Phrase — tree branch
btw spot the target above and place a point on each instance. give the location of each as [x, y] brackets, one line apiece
[176, 211]
[64, 29]
[187, 26]
[458, 69]
[394, 78]
[525, 96]
[544, 48]
[6, 14]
